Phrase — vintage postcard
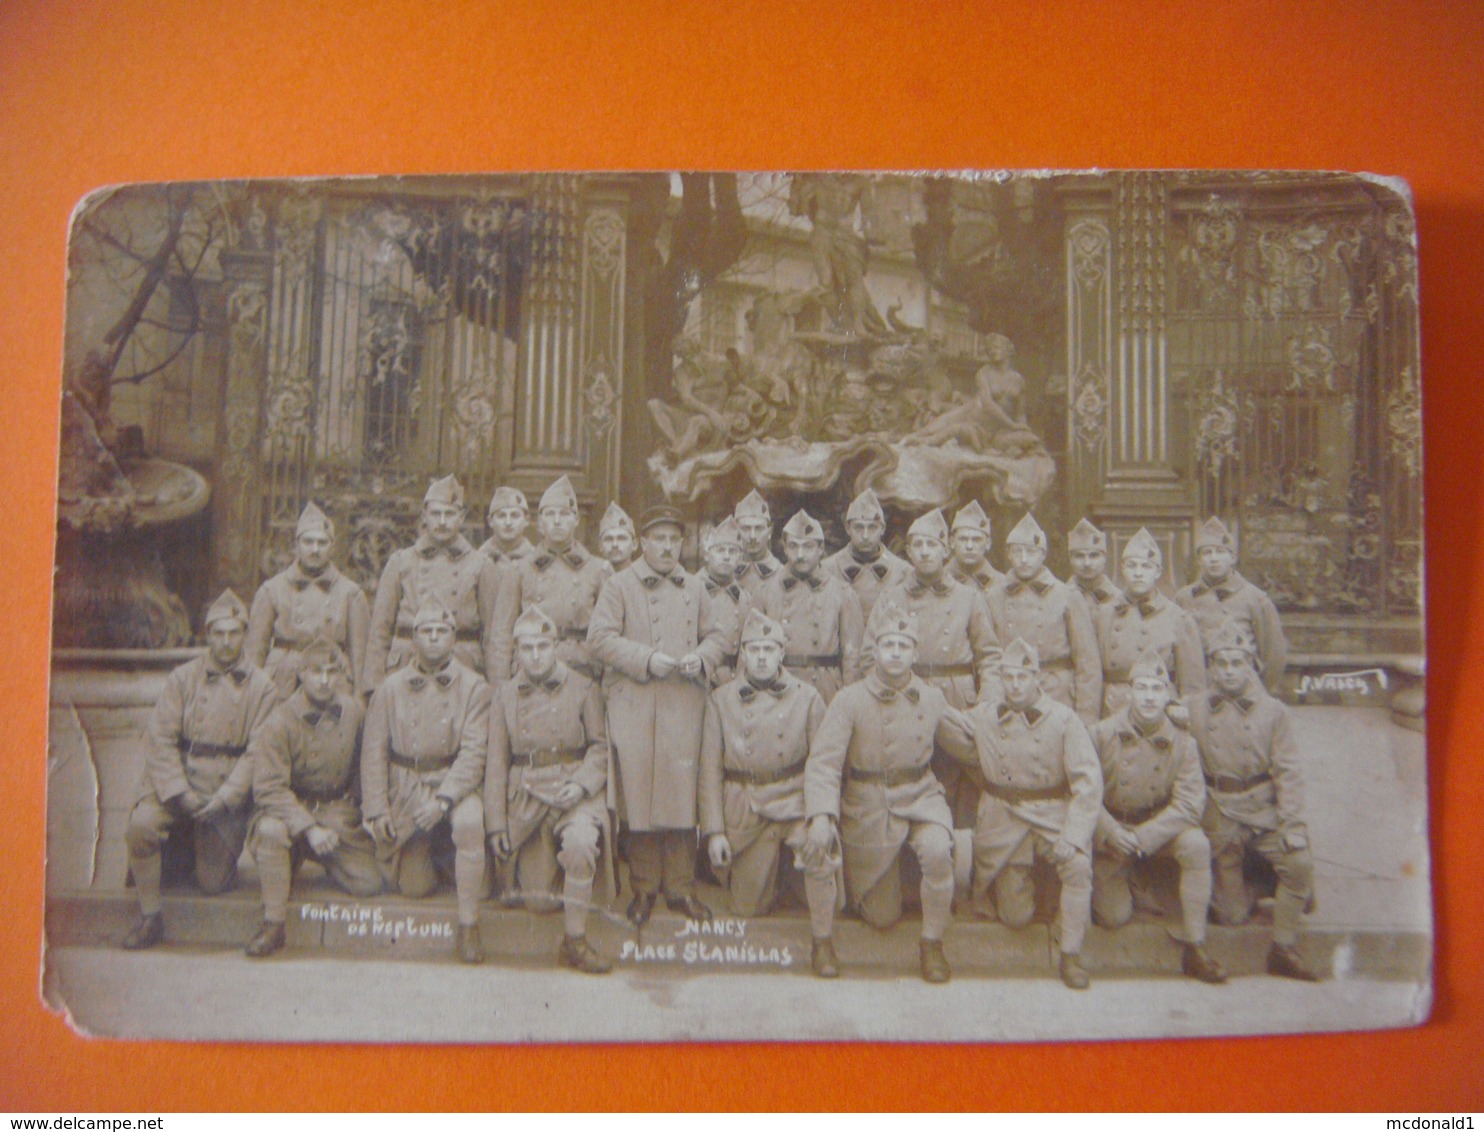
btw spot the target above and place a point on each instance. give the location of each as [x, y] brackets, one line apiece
[651, 606]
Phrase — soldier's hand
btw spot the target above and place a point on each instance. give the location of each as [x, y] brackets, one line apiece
[720, 851]
[1178, 714]
[381, 829]
[690, 666]
[568, 796]
[322, 841]
[661, 664]
[212, 809]
[189, 804]
[500, 845]
[1062, 851]
[428, 815]
[821, 832]
[1126, 841]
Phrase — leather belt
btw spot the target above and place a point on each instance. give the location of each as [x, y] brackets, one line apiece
[1046, 794]
[896, 776]
[1116, 676]
[813, 660]
[310, 797]
[458, 634]
[764, 777]
[547, 756]
[1057, 664]
[423, 765]
[210, 750]
[1228, 784]
[1135, 817]
[573, 635]
[928, 671]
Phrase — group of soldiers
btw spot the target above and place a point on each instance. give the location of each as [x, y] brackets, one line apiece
[550, 710]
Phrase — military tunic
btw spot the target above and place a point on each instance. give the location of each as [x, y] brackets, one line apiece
[566, 587]
[1127, 629]
[306, 762]
[1238, 599]
[753, 576]
[291, 608]
[1254, 798]
[754, 746]
[1152, 786]
[730, 604]
[822, 617]
[543, 736]
[1043, 785]
[1043, 612]
[867, 577]
[504, 558]
[869, 767]
[957, 649]
[982, 577]
[465, 582]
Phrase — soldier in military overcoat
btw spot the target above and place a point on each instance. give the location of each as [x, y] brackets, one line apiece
[508, 517]
[970, 560]
[864, 564]
[1221, 593]
[721, 549]
[755, 527]
[197, 737]
[1087, 547]
[617, 541]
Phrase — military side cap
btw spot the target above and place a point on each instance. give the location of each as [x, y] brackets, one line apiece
[931, 525]
[447, 490]
[760, 627]
[1085, 536]
[803, 525]
[890, 617]
[1020, 653]
[659, 515]
[313, 519]
[432, 612]
[1149, 667]
[506, 497]
[1143, 547]
[1027, 532]
[723, 534]
[865, 507]
[228, 607]
[1231, 634]
[754, 506]
[322, 650]
[1213, 532]
[559, 494]
[971, 518]
[533, 622]
[615, 516]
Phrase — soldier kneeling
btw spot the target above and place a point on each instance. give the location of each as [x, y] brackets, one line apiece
[545, 787]
[754, 746]
[304, 784]
[1153, 797]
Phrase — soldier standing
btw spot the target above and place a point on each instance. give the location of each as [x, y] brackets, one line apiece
[970, 560]
[1087, 547]
[1042, 795]
[655, 635]
[730, 603]
[545, 787]
[305, 762]
[1032, 604]
[422, 764]
[1222, 593]
[820, 614]
[755, 527]
[508, 517]
[754, 746]
[1144, 620]
[616, 539]
[1254, 795]
[439, 567]
[869, 789]
[1153, 800]
[562, 576]
[197, 735]
[864, 564]
[309, 600]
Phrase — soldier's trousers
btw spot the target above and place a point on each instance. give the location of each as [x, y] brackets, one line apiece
[352, 865]
[568, 840]
[752, 881]
[1231, 899]
[1113, 898]
[415, 867]
[1005, 851]
[216, 845]
[881, 905]
[663, 858]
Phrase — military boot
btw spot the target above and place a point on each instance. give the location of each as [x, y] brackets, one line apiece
[468, 944]
[1198, 964]
[576, 953]
[270, 938]
[149, 931]
[1284, 961]
[1073, 973]
[822, 958]
[934, 963]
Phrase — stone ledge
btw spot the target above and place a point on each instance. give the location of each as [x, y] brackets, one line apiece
[332, 923]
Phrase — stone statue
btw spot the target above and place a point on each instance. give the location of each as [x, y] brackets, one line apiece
[830, 201]
[995, 414]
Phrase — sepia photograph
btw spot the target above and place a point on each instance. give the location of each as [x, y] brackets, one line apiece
[655, 606]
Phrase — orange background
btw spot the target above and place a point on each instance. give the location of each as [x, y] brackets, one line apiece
[128, 90]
